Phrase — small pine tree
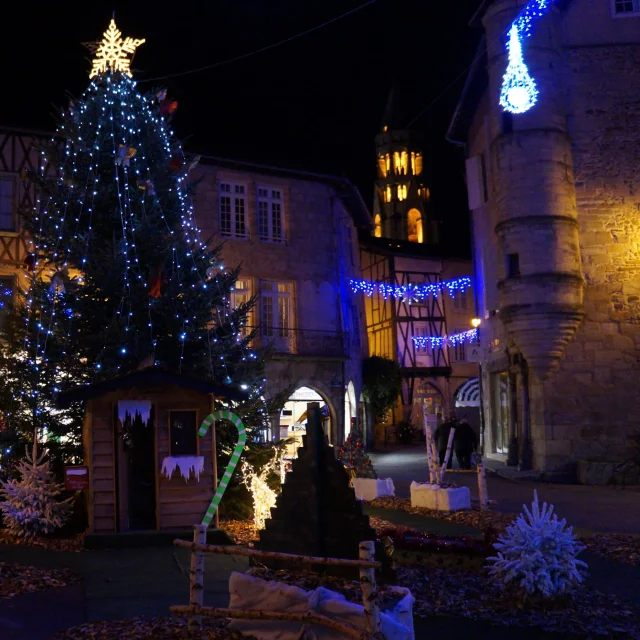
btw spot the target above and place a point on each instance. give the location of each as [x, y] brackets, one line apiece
[30, 505]
[352, 453]
[537, 554]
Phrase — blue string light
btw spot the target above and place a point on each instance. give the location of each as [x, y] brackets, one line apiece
[411, 291]
[519, 91]
[424, 342]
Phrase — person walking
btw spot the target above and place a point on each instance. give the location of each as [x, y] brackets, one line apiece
[465, 442]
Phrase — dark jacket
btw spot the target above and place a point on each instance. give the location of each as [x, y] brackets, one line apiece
[465, 438]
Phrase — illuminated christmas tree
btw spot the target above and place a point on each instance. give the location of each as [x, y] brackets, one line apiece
[118, 275]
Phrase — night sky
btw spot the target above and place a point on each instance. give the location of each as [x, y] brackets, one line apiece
[314, 103]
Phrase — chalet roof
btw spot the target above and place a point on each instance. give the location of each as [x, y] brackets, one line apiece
[149, 375]
[476, 82]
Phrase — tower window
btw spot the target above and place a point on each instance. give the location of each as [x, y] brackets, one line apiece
[387, 194]
[404, 160]
[513, 265]
[414, 226]
[626, 7]
[382, 166]
[396, 162]
[507, 123]
[402, 192]
[377, 229]
[417, 164]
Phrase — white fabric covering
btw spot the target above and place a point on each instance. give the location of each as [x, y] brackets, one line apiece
[249, 592]
[371, 488]
[185, 464]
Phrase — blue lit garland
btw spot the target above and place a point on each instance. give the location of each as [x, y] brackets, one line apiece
[423, 342]
[519, 92]
[411, 291]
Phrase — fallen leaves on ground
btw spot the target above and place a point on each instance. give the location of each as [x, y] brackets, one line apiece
[16, 579]
[616, 546]
[74, 543]
[474, 596]
[165, 628]
[470, 517]
[243, 532]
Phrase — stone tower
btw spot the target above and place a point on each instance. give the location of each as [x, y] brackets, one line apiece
[540, 274]
[401, 200]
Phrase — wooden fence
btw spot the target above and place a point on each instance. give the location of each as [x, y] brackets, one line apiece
[366, 564]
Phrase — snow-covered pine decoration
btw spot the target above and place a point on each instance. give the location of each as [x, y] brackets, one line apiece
[537, 554]
[30, 506]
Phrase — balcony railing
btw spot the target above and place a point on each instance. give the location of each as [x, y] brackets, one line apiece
[303, 342]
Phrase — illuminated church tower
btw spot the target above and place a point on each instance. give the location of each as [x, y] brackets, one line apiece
[401, 199]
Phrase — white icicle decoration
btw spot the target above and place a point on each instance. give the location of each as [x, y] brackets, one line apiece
[537, 554]
[133, 407]
[185, 464]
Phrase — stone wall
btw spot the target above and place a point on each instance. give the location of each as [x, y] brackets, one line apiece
[593, 402]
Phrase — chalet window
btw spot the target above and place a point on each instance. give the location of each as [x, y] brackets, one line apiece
[513, 265]
[6, 300]
[276, 313]
[233, 207]
[7, 196]
[625, 8]
[183, 433]
[270, 215]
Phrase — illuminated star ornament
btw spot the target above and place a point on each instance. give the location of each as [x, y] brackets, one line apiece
[112, 52]
[519, 92]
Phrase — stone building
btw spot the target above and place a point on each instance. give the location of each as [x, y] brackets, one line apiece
[555, 199]
[295, 237]
[406, 249]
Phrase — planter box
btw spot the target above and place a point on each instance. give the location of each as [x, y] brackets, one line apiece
[602, 473]
[433, 496]
[372, 488]
[250, 592]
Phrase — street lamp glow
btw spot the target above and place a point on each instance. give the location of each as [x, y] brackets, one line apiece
[476, 322]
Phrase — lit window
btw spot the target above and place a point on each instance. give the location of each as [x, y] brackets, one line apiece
[270, 217]
[377, 230]
[417, 166]
[6, 300]
[396, 162]
[7, 191]
[276, 310]
[240, 295]
[382, 166]
[233, 220]
[626, 7]
[387, 161]
[387, 194]
[402, 192]
[414, 226]
[404, 160]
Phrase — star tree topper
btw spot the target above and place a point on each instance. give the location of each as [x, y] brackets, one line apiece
[111, 52]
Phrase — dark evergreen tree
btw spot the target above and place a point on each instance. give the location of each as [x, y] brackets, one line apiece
[120, 277]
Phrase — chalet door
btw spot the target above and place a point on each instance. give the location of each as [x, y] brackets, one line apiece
[142, 475]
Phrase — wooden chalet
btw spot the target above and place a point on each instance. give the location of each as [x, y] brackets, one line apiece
[148, 468]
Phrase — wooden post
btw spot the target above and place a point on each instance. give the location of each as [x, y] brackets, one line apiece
[196, 573]
[482, 483]
[370, 597]
[433, 463]
[447, 455]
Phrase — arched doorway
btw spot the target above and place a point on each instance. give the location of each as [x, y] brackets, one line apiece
[414, 226]
[350, 408]
[467, 403]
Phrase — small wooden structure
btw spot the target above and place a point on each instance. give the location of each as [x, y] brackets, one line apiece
[132, 425]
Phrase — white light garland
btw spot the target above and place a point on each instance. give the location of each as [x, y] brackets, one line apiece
[264, 497]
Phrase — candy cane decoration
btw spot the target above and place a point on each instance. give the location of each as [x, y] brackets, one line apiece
[235, 457]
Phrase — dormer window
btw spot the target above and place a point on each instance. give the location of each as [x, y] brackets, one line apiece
[626, 8]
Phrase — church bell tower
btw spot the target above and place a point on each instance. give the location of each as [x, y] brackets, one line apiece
[401, 200]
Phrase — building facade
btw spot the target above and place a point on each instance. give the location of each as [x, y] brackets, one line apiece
[405, 250]
[555, 194]
[294, 236]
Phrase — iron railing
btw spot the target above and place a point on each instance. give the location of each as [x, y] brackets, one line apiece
[303, 342]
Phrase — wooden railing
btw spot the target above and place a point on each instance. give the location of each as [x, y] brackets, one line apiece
[366, 564]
